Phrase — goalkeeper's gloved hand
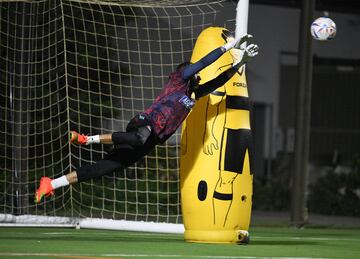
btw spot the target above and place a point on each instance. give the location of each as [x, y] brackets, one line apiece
[249, 52]
[241, 40]
[237, 42]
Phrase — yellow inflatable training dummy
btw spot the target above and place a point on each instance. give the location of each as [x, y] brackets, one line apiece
[215, 172]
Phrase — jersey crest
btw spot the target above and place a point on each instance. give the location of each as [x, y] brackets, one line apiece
[187, 102]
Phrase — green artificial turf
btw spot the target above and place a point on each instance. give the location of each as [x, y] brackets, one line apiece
[265, 242]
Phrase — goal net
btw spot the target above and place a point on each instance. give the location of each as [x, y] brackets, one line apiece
[90, 66]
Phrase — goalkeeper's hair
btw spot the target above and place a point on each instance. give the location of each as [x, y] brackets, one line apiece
[183, 65]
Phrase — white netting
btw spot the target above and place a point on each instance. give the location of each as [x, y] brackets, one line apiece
[89, 66]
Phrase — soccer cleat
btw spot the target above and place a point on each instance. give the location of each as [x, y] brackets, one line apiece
[45, 189]
[78, 138]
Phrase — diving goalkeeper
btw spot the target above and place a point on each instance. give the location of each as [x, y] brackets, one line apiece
[156, 124]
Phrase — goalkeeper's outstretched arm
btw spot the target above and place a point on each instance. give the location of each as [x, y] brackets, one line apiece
[210, 86]
[211, 57]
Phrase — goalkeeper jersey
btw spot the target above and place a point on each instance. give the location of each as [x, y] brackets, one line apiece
[173, 104]
[171, 107]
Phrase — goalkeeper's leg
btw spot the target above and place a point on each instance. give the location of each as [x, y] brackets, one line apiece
[102, 167]
[133, 145]
[126, 155]
[82, 139]
[135, 137]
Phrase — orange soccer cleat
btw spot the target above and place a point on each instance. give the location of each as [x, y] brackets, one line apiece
[78, 138]
[45, 189]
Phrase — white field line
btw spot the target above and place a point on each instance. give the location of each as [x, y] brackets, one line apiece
[213, 256]
[88, 256]
[304, 238]
[251, 237]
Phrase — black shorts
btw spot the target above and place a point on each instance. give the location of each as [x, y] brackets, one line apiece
[120, 157]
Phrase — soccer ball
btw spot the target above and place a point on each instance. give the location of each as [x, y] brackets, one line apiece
[323, 28]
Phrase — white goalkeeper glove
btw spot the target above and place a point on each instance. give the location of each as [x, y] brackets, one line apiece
[237, 42]
[249, 52]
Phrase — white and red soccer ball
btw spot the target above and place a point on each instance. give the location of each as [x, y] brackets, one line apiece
[323, 29]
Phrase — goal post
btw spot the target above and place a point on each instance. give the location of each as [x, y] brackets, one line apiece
[90, 66]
